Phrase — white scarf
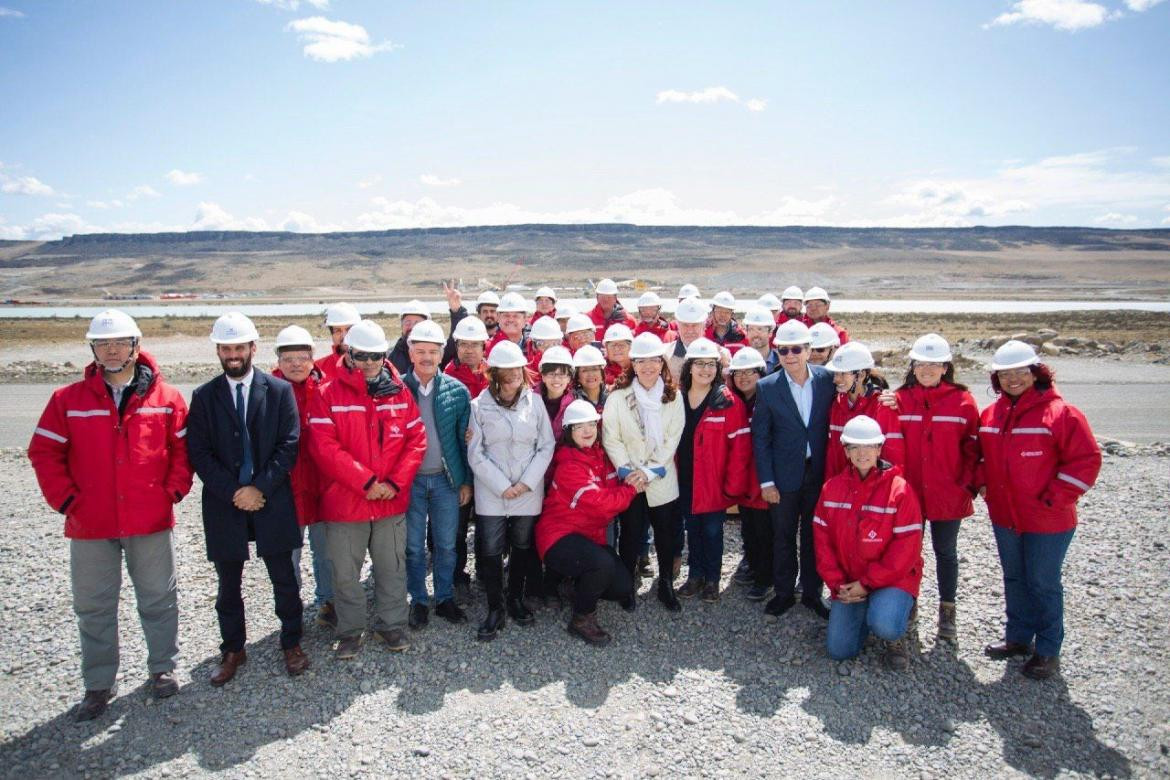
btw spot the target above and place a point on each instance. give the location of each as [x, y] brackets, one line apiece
[650, 410]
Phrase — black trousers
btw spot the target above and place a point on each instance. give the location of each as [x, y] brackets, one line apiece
[599, 573]
[461, 575]
[756, 527]
[229, 603]
[632, 529]
[792, 517]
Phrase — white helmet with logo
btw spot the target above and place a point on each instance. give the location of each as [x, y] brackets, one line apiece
[931, 348]
[546, 329]
[113, 324]
[416, 307]
[862, 429]
[746, 359]
[691, 311]
[341, 314]
[579, 322]
[367, 336]
[853, 356]
[688, 291]
[565, 311]
[579, 411]
[588, 356]
[649, 298]
[471, 329]
[233, 328]
[759, 316]
[823, 335]
[792, 293]
[487, 298]
[702, 349]
[512, 301]
[606, 287]
[618, 332]
[546, 292]
[816, 294]
[507, 354]
[556, 356]
[293, 336]
[428, 331]
[724, 300]
[791, 333]
[1014, 354]
[647, 345]
[769, 301]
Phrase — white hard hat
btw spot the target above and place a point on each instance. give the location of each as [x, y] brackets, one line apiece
[758, 315]
[769, 301]
[747, 358]
[791, 333]
[546, 292]
[588, 356]
[507, 354]
[559, 356]
[546, 329]
[618, 332]
[471, 329]
[487, 298]
[931, 348]
[1014, 354]
[566, 310]
[340, 314]
[649, 298]
[691, 310]
[233, 328]
[512, 301]
[702, 349]
[606, 287]
[823, 335]
[415, 307]
[428, 331]
[862, 429]
[853, 356]
[579, 322]
[113, 324]
[367, 336]
[579, 411]
[688, 291]
[792, 293]
[724, 299]
[647, 345]
[293, 336]
[816, 294]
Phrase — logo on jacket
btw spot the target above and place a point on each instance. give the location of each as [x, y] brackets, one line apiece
[1032, 453]
[872, 535]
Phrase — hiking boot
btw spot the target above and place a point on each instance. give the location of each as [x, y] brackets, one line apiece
[585, 626]
[897, 657]
[947, 630]
[93, 705]
[348, 647]
[326, 615]
[690, 589]
[710, 594]
[395, 639]
[1041, 667]
[519, 612]
[163, 685]
[491, 625]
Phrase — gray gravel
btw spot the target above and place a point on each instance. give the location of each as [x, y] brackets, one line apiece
[717, 691]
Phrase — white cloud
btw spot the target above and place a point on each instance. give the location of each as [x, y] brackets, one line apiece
[1113, 218]
[105, 204]
[330, 41]
[1141, 5]
[24, 185]
[292, 5]
[431, 180]
[212, 216]
[373, 181]
[1161, 162]
[1069, 15]
[300, 222]
[142, 191]
[709, 95]
[11, 13]
[184, 178]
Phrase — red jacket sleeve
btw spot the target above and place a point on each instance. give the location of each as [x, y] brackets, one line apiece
[179, 472]
[894, 448]
[738, 479]
[1079, 459]
[49, 453]
[969, 446]
[905, 547]
[826, 550]
[593, 499]
[414, 445]
[331, 458]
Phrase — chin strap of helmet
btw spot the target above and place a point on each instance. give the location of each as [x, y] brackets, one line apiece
[125, 364]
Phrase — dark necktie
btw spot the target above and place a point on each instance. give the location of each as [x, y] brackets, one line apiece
[246, 440]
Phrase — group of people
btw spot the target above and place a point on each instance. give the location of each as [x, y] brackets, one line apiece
[575, 441]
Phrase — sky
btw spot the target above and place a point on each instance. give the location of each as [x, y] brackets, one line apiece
[322, 115]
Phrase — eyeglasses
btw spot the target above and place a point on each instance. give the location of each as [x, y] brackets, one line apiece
[818, 350]
[296, 359]
[113, 343]
[367, 357]
[789, 350]
[1013, 373]
[708, 365]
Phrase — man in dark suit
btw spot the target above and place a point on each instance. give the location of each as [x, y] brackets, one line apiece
[790, 430]
[242, 435]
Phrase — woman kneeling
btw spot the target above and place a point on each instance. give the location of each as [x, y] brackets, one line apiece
[868, 535]
[582, 500]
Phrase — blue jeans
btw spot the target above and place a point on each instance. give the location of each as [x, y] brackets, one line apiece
[431, 496]
[322, 568]
[885, 613]
[1032, 588]
[705, 541]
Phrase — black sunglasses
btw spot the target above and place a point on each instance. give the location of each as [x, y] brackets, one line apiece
[367, 357]
[787, 350]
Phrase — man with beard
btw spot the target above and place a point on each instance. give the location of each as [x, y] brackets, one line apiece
[758, 324]
[243, 434]
[608, 309]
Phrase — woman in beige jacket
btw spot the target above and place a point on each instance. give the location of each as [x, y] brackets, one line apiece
[642, 425]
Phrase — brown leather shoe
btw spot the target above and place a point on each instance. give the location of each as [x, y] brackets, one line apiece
[1041, 667]
[228, 664]
[295, 661]
[163, 685]
[326, 615]
[93, 705]
[1001, 651]
[585, 626]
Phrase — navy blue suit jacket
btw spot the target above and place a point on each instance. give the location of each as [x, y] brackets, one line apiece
[779, 436]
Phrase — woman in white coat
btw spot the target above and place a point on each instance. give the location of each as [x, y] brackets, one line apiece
[642, 425]
[510, 450]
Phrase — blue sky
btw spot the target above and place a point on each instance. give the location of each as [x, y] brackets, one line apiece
[372, 114]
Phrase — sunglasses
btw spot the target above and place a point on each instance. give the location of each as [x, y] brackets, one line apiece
[368, 357]
[789, 350]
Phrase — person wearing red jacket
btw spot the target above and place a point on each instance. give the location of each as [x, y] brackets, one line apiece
[868, 536]
[722, 327]
[583, 498]
[616, 344]
[650, 319]
[368, 442]
[1038, 457]
[940, 425]
[339, 318]
[747, 368]
[608, 311]
[294, 361]
[816, 309]
[716, 443]
[546, 305]
[859, 391]
[110, 453]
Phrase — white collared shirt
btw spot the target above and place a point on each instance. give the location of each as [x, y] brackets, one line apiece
[427, 388]
[246, 381]
[803, 395]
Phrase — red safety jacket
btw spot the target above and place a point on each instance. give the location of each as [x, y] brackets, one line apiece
[601, 322]
[753, 498]
[869, 531]
[940, 427]
[537, 315]
[329, 365]
[723, 452]
[525, 345]
[733, 336]
[584, 495]
[112, 475]
[357, 440]
[474, 380]
[894, 449]
[841, 332]
[667, 331]
[1038, 458]
[613, 372]
[304, 477]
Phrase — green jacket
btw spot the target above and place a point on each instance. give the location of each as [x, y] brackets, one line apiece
[452, 413]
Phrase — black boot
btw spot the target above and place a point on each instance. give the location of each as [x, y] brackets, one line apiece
[490, 570]
[519, 564]
[667, 597]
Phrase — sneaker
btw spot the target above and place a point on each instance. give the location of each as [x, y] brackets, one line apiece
[395, 639]
[690, 589]
[92, 705]
[897, 658]
[348, 647]
[758, 592]
[326, 615]
[710, 594]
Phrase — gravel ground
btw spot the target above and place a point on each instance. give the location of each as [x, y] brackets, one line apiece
[715, 691]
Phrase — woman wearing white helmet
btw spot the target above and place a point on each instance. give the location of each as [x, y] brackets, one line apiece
[642, 424]
[824, 341]
[510, 450]
[868, 537]
[747, 368]
[716, 442]
[546, 305]
[582, 500]
[859, 391]
[940, 424]
[589, 376]
[556, 385]
[617, 351]
[579, 331]
[1039, 457]
[469, 366]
